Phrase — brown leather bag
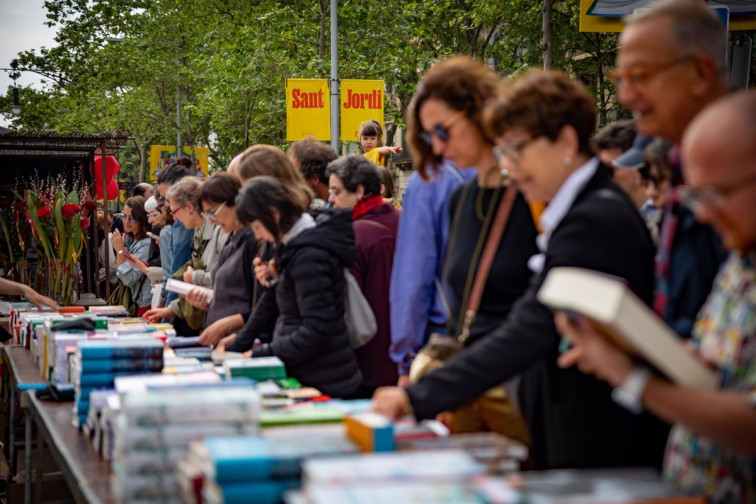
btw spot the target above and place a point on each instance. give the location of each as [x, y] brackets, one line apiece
[492, 411]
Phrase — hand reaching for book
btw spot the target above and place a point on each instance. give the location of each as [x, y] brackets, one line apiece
[213, 333]
[591, 352]
[158, 315]
[392, 402]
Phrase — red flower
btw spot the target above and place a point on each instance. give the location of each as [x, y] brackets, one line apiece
[5, 203]
[70, 209]
[43, 213]
[84, 222]
[90, 205]
[19, 206]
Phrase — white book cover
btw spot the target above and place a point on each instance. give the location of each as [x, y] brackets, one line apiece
[627, 321]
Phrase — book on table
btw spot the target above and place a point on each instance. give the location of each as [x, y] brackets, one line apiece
[622, 317]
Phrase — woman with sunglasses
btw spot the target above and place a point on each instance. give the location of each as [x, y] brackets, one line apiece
[446, 122]
[133, 272]
[543, 124]
[183, 200]
[232, 272]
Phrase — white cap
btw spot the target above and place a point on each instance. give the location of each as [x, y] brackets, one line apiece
[150, 205]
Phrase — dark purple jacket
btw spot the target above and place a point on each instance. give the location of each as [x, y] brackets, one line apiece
[375, 233]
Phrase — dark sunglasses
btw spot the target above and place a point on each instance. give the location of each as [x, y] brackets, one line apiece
[441, 131]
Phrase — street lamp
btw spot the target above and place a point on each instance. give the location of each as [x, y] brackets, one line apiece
[16, 108]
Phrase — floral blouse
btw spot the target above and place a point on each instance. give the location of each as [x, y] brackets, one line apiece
[725, 333]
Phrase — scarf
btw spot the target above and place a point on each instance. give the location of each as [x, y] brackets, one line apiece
[367, 204]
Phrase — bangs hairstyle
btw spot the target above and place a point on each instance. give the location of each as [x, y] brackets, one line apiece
[258, 199]
[371, 128]
[267, 160]
[541, 103]
[463, 84]
[136, 203]
[221, 188]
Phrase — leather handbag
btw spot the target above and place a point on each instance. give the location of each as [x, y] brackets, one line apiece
[492, 411]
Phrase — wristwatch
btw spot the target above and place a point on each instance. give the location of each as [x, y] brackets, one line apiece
[628, 395]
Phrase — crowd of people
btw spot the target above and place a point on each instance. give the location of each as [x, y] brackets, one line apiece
[511, 180]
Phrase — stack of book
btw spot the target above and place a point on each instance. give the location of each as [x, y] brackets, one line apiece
[97, 363]
[261, 369]
[395, 478]
[253, 469]
[156, 426]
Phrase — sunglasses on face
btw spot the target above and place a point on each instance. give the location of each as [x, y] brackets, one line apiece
[441, 131]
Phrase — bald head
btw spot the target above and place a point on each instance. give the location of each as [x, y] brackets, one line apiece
[719, 159]
[233, 166]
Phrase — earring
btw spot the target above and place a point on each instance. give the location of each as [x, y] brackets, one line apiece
[567, 161]
[504, 173]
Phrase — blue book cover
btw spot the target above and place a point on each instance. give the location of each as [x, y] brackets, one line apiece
[120, 349]
[89, 366]
[106, 379]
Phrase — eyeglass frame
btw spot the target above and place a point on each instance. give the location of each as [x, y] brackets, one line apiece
[709, 195]
[441, 130]
[512, 150]
[174, 212]
[638, 75]
[212, 216]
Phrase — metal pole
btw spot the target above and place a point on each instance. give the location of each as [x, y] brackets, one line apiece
[179, 147]
[108, 251]
[334, 76]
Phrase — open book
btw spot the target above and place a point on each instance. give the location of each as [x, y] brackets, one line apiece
[626, 320]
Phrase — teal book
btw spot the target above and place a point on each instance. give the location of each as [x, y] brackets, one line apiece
[89, 366]
[259, 369]
[120, 349]
[250, 458]
[106, 379]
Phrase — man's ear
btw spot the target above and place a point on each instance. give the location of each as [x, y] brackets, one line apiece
[360, 191]
[704, 74]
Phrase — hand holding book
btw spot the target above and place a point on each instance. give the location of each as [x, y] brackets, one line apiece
[591, 352]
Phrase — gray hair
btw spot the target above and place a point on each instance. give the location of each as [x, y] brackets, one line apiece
[695, 29]
[186, 190]
[354, 170]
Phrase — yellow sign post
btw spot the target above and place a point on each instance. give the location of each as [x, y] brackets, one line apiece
[162, 156]
[361, 100]
[308, 109]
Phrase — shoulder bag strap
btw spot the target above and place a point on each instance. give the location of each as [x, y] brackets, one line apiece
[487, 258]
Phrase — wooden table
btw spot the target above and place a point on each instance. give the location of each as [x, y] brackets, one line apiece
[85, 472]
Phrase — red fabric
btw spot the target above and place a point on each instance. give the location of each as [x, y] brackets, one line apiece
[372, 270]
[142, 310]
[364, 206]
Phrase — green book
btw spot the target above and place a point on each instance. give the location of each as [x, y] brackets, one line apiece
[260, 369]
[306, 414]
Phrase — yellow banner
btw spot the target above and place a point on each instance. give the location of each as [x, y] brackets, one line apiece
[163, 156]
[589, 23]
[308, 109]
[361, 100]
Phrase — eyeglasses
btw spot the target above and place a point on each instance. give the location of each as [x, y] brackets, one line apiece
[710, 196]
[335, 191]
[212, 217]
[441, 131]
[130, 218]
[640, 75]
[512, 150]
[174, 212]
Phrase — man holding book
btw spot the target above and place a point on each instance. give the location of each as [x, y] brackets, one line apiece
[712, 448]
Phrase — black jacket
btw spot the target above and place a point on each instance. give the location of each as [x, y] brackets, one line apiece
[571, 416]
[310, 335]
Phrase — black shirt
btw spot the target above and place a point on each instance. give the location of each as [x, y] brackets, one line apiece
[509, 276]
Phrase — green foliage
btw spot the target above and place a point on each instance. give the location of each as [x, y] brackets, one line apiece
[227, 61]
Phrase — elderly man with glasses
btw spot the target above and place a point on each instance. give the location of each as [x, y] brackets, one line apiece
[670, 66]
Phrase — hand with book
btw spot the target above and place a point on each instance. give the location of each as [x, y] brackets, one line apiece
[197, 298]
[591, 352]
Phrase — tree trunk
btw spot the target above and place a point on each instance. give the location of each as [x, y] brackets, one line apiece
[548, 35]
[142, 161]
